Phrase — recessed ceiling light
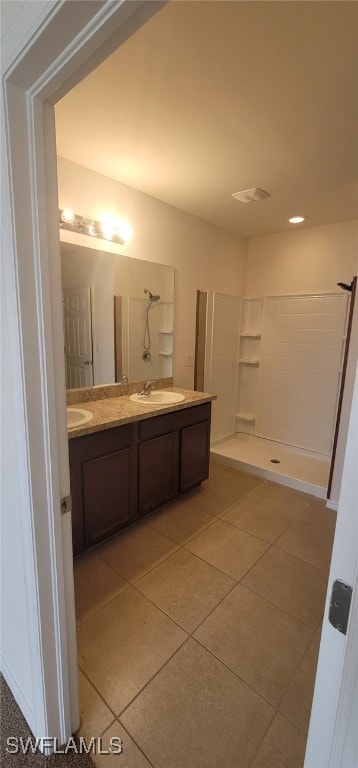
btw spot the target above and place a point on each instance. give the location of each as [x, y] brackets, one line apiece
[297, 219]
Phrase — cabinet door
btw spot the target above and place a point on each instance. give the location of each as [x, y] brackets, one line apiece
[195, 448]
[158, 471]
[109, 494]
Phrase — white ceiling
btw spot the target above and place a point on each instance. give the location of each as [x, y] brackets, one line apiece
[209, 98]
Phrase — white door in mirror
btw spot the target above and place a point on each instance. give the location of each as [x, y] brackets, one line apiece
[78, 416]
[158, 397]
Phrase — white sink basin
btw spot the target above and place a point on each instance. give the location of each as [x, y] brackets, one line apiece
[158, 397]
[78, 416]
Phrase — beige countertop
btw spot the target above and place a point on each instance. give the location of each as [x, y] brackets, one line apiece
[114, 411]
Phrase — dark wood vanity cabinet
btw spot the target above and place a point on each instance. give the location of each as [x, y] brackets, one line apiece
[194, 455]
[103, 469]
[125, 472]
[158, 471]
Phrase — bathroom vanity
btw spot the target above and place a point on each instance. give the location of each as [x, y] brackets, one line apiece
[131, 459]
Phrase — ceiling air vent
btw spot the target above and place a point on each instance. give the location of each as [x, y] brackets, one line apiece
[250, 195]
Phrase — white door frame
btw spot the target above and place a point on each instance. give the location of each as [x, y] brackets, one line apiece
[48, 47]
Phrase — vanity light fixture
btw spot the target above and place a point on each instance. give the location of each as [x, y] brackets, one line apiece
[108, 228]
[297, 219]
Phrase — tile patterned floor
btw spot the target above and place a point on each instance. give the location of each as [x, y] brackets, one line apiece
[198, 628]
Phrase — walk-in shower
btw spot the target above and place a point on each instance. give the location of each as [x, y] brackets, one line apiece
[275, 363]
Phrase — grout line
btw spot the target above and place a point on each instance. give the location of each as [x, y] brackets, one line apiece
[134, 741]
[97, 691]
[324, 570]
[262, 740]
[112, 599]
[293, 675]
[108, 726]
[213, 609]
[297, 557]
[182, 544]
[282, 610]
[122, 712]
[245, 682]
[287, 717]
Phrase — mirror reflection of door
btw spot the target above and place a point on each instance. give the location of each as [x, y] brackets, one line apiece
[77, 316]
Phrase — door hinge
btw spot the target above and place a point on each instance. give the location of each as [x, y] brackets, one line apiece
[340, 605]
[66, 504]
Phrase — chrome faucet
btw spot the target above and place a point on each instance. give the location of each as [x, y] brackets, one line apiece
[148, 386]
[123, 379]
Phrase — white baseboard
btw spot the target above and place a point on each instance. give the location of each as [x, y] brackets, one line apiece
[330, 504]
[18, 695]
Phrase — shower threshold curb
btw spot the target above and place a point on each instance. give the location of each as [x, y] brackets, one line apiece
[268, 473]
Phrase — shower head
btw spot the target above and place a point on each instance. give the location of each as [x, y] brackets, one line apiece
[345, 286]
[152, 296]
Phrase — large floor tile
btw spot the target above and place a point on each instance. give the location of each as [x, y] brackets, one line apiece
[186, 588]
[281, 497]
[283, 746]
[95, 584]
[179, 521]
[227, 548]
[94, 713]
[297, 701]
[123, 645]
[130, 755]
[135, 551]
[311, 536]
[258, 641]
[216, 496]
[290, 583]
[265, 521]
[196, 713]
[223, 476]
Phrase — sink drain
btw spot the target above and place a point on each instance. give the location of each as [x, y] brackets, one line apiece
[275, 461]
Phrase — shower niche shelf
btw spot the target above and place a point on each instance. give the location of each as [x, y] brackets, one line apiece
[250, 335]
[249, 363]
[165, 340]
[249, 417]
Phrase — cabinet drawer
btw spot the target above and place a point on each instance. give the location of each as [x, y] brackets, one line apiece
[159, 425]
[101, 443]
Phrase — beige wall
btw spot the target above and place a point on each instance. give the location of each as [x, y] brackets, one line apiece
[309, 260]
[205, 257]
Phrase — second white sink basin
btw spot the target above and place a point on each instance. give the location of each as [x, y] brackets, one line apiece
[158, 397]
[78, 416]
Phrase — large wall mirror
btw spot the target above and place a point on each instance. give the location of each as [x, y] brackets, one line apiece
[118, 317]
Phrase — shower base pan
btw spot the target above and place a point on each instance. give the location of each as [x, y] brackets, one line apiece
[284, 464]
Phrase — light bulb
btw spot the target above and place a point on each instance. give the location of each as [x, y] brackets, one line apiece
[67, 216]
[91, 228]
[108, 224]
[297, 219]
[124, 231]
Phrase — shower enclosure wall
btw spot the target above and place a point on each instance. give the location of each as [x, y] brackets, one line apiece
[275, 364]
